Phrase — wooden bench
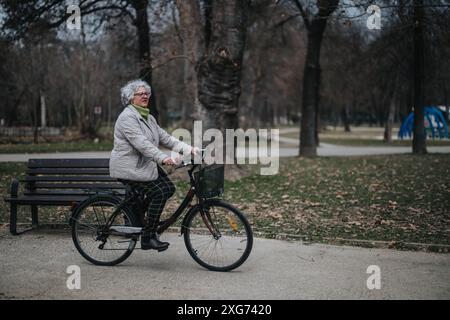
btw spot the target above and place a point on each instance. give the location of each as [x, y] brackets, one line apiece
[60, 182]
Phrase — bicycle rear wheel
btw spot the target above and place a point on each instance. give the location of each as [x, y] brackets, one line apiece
[218, 236]
[93, 240]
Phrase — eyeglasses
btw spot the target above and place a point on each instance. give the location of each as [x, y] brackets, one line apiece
[141, 94]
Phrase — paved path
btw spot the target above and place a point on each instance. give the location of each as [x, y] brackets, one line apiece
[325, 149]
[33, 266]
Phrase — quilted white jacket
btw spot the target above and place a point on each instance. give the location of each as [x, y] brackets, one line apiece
[135, 154]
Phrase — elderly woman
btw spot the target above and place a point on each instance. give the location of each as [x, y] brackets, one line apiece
[135, 158]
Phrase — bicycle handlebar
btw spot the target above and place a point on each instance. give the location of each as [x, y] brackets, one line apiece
[185, 164]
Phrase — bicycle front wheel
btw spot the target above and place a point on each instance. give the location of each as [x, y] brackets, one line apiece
[93, 239]
[218, 236]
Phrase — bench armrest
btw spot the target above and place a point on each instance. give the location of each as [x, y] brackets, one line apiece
[15, 188]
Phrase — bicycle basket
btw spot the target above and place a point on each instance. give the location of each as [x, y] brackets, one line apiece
[210, 181]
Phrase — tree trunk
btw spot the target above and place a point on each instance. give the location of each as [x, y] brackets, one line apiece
[311, 85]
[109, 107]
[144, 49]
[82, 114]
[43, 110]
[391, 113]
[389, 121]
[318, 128]
[220, 69]
[250, 120]
[36, 120]
[311, 77]
[192, 38]
[253, 116]
[419, 136]
[346, 118]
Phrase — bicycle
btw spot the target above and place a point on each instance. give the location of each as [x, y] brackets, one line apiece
[217, 235]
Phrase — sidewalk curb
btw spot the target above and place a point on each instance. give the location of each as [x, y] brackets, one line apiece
[303, 239]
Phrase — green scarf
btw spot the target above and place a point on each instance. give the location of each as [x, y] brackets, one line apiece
[144, 112]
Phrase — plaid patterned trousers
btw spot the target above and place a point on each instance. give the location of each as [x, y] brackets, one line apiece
[156, 192]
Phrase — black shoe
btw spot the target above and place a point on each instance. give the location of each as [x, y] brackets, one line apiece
[163, 242]
[152, 242]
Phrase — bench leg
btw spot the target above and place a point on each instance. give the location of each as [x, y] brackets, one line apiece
[13, 220]
[34, 216]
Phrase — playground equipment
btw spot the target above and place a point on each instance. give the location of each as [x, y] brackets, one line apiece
[435, 124]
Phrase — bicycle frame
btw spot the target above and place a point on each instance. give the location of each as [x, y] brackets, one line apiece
[184, 204]
[181, 208]
[164, 225]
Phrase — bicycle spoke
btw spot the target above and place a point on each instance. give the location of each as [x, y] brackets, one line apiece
[223, 243]
[97, 244]
[87, 226]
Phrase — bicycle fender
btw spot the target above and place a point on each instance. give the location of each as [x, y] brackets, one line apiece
[196, 207]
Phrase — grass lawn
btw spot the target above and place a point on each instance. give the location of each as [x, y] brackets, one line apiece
[380, 143]
[399, 199]
[107, 146]
[363, 137]
[55, 147]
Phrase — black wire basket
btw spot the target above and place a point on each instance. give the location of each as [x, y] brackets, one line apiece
[210, 180]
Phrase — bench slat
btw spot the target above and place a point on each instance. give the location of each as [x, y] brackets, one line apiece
[47, 200]
[65, 192]
[41, 185]
[61, 182]
[64, 171]
[69, 163]
[67, 178]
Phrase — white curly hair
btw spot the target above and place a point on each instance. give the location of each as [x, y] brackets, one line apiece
[127, 91]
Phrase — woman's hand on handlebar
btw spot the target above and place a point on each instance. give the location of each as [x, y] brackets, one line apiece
[169, 161]
[195, 151]
[178, 162]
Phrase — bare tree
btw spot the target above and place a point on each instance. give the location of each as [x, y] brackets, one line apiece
[315, 25]
[419, 136]
[192, 37]
[218, 42]
[21, 16]
[219, 70]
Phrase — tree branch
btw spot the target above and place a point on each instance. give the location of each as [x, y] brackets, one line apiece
[303, 13]
[171, 59]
